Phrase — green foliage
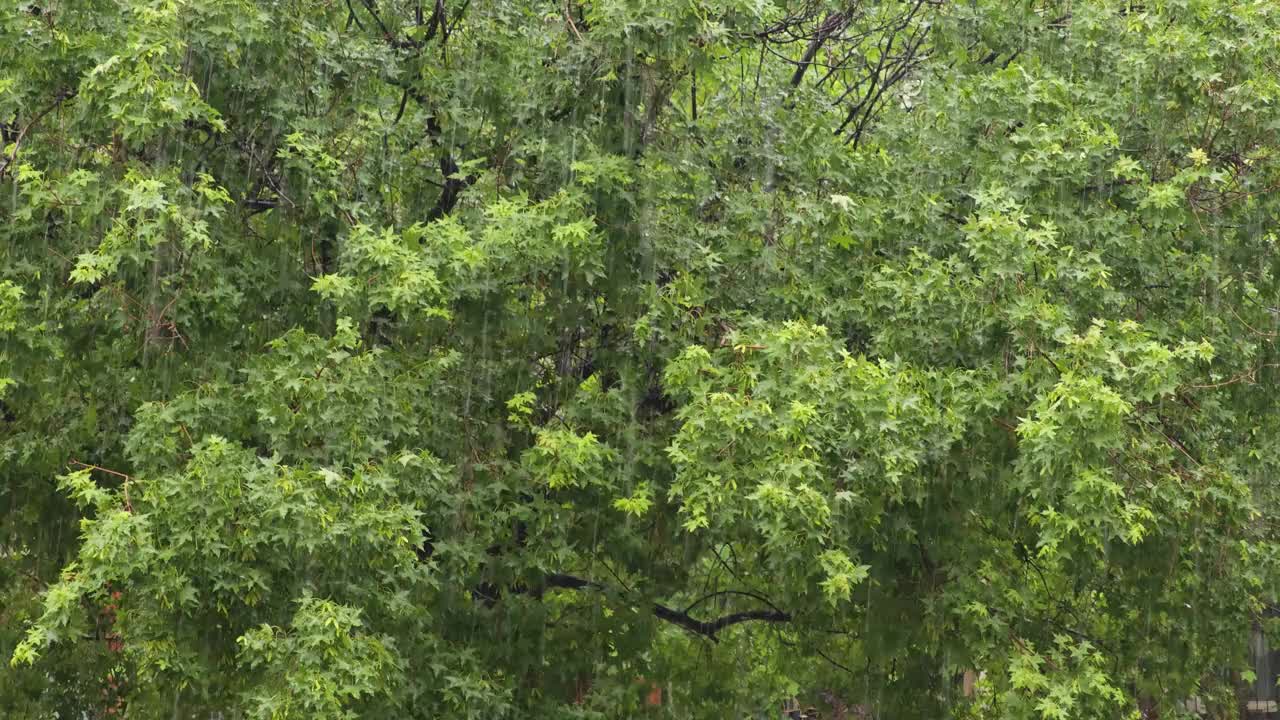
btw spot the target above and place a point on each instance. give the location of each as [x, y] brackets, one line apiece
[318, 667]
[517, 359]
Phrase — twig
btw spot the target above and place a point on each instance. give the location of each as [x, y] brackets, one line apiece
[1042, 354]
[1259, 333]
[833, 662]
[1250, 374]
[63, 96]
[127, 479]
[568, 16]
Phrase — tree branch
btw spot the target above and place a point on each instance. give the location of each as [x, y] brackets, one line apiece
[705, 628]
[709, 629]
[833, 24]
[127, 479]
[452, 186]
[63, 96]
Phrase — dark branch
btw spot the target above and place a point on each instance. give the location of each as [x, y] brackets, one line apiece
[705, 628]
[560, 580]
[709, 629]
[368, 5]
[833, 24]
[720, 593]
[353, 18]
[453, 185]
[62, 96]
[259, 205]
[826, 657]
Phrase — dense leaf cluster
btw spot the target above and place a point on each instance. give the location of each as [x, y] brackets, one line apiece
[612, 358]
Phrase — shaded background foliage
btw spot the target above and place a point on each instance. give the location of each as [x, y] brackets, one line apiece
[489, 359]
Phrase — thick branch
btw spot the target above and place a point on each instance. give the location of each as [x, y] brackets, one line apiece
[452, 186]
[833, 24]
[710, 628]
[560, 580]
[705, 628]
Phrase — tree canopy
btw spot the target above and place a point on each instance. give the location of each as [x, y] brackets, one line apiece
[509, 359]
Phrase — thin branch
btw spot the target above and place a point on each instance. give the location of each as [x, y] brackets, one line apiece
[732, 571]
[450, 28]
[1249, 374]
[1252, 329]
[1050, 360]
[743, 593]
[127, 479]
[568, 16]
[63, 96]
[102, 469]
[352, 17]
[833, 662]
[369, 5]
[404, 100]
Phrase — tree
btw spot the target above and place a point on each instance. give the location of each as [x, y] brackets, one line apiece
[492, 359]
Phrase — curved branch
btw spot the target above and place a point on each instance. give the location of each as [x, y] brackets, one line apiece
[743, 593]
[62, 96]
[705, 628]
[709, 629]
